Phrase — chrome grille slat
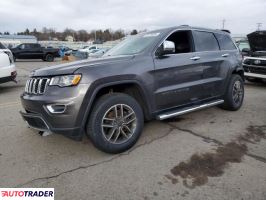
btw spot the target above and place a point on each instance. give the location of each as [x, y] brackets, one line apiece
[36, 86]
[39, 86]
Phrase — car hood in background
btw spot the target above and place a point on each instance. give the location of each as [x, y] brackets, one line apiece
[257, 41]
[70, 68]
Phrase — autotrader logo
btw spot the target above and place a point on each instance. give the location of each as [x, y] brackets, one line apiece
[26, 193]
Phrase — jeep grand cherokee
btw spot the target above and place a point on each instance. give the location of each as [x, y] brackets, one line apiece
[153, 75]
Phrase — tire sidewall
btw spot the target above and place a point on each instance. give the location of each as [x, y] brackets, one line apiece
[95, 129]
[49, 58]
[233, 104]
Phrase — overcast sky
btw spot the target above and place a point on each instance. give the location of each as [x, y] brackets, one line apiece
[241, 16]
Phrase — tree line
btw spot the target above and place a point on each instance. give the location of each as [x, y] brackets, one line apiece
[80, 35]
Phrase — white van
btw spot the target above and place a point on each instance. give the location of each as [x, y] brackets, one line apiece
[7, 66]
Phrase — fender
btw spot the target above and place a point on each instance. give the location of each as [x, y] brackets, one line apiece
[96, 87]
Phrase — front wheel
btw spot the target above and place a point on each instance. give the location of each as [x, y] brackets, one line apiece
[49, 58]
[116, 122]
[235, 93]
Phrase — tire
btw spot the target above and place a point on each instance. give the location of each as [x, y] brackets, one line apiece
[49, 58]
[112, 135]
[234, 96]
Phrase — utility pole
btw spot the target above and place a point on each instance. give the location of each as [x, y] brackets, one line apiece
[258, 26]
[95, 37]
[223, 23]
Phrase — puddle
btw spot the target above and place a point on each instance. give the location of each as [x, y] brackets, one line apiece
[199, 167]
[254, 134]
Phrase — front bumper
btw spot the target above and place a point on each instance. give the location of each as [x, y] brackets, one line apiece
[254, 75]
[253, 69]
[67, 123]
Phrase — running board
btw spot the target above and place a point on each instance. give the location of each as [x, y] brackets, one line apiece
[188, 109]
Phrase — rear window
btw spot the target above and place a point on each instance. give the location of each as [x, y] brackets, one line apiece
[205, 41]
[225, 42]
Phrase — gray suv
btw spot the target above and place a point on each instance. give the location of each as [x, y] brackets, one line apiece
[153, 75]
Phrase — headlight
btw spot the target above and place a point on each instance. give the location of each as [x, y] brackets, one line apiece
[67, 80]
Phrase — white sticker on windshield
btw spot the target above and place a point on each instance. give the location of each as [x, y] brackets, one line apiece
[151, 35]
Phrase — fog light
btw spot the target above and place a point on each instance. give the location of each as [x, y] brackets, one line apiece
[56, 108]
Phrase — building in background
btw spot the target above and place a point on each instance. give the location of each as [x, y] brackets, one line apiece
[14, 40]
[69, 38]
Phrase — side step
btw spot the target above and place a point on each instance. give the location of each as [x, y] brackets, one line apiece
[174, 113]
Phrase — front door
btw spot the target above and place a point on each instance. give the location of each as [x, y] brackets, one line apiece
[178, 76]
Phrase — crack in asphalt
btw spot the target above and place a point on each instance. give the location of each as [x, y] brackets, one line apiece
[96, 164]
[172, 127]
[208, 139]
[205, 138]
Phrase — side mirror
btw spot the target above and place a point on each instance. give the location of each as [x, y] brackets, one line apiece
[246, 50]
[168, 47]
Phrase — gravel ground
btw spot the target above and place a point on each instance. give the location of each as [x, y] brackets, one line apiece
[209, 154]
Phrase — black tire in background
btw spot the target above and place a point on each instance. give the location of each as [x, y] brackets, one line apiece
[103, 114]
[49, 58]
[234, 96]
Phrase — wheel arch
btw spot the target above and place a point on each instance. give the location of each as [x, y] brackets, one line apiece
[130, 87]
[239, 71]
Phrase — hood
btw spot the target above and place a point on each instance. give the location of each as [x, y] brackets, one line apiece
[257, 41]
[70, 68]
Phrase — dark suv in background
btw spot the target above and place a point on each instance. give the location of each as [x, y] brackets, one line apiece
[153, 75]
[34, 51]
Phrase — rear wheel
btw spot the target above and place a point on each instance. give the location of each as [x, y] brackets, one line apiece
[49, 58]
[116, 122]
[235, 93]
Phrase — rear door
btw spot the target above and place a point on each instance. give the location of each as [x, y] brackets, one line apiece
[36, 51]
[211, 61]
[230, 54]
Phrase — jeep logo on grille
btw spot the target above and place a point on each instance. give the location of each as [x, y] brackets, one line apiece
[257, 62]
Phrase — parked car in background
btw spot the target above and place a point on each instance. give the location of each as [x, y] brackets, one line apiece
[88, 49]
[35, 51]
[98, 53]
[81, 55]
[243, 44]
[7, 65]
[254, 62]
[153, 75]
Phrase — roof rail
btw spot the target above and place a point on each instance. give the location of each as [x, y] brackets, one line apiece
[225, 30]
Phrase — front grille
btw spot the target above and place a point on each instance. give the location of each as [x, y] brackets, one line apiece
[36, 85]
[256, 62]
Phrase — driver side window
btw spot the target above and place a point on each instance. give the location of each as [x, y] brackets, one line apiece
[182, 41]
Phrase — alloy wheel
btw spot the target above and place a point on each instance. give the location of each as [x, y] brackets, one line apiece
[119, 123]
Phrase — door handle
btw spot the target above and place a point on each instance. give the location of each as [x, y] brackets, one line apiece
[225, 55]
[195, 58]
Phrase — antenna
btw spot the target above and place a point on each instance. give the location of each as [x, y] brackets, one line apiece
[223, 23]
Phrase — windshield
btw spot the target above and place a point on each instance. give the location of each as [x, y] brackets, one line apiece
[133, 44]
